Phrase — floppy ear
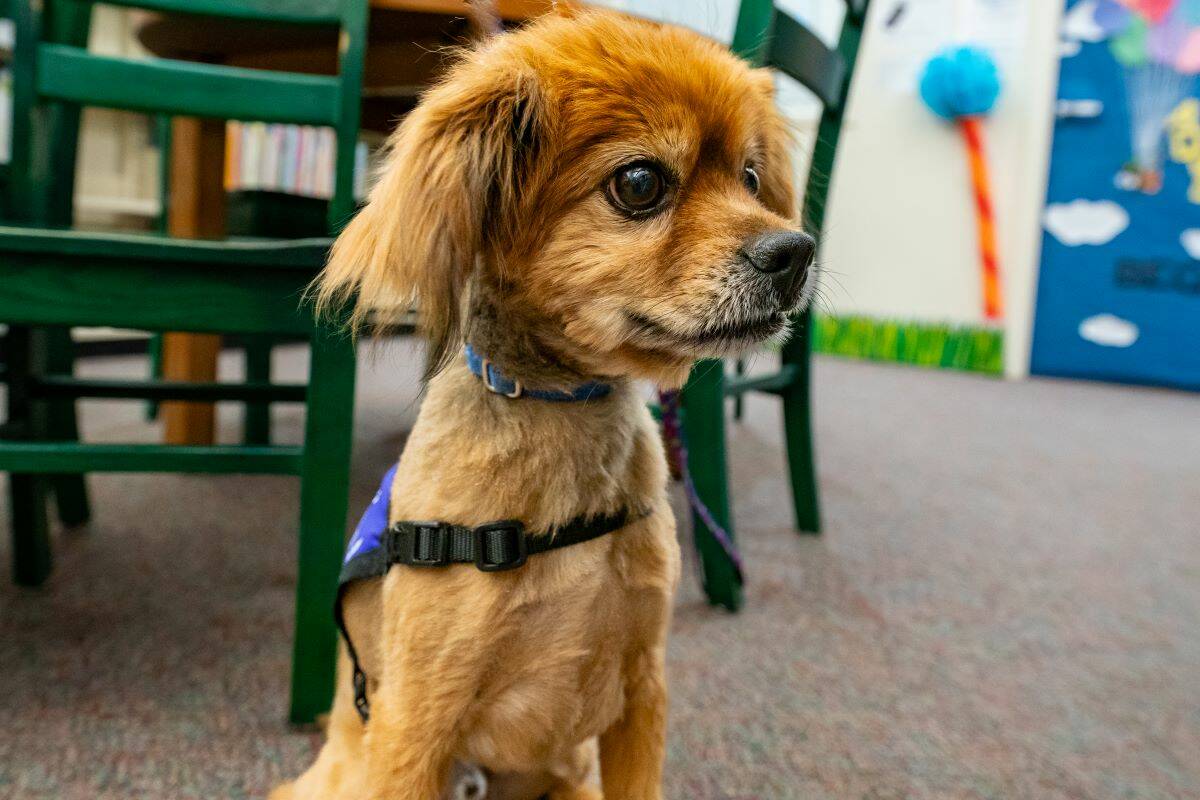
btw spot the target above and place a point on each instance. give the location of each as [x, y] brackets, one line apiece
[446, 190]
[777, 176]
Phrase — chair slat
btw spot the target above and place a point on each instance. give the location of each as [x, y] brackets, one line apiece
[184, 88]
[58, 386]
[774, 383]
[319, 12]
[50, 289]
[133, 247]
[67, 457]
[796, 51]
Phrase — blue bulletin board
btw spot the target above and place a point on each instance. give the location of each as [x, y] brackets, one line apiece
[1119, 285]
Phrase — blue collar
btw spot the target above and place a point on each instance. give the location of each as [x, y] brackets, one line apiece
[510, 387]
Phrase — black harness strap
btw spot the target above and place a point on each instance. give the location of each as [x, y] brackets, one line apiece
[493, 547]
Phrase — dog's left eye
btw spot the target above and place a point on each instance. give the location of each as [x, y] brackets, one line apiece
[750, 178]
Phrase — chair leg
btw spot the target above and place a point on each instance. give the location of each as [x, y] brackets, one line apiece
[324, 497]
[27, 493]
[703, 405]
[32, 560]
[798, 434]
[739, 369]
[257, 424]
[154, 357]
[70, 490]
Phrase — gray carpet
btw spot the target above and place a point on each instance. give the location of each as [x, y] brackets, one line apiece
[1006, 604]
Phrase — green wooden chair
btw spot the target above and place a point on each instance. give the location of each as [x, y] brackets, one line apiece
[69, 491]
[54, 278]
[767, 36]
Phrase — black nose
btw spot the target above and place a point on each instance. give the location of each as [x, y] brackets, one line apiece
[784, 255]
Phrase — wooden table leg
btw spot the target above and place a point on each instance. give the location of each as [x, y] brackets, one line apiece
[189, 357]
[197, 211]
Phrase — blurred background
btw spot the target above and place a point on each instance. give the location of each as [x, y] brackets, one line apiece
[989, 417]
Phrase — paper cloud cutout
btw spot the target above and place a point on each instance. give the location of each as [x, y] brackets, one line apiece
[1108, 330]
[1080, 23]
[1079, 109]
[1190, 239]
[1069, 48]
[1085, 222]
[1127, 180]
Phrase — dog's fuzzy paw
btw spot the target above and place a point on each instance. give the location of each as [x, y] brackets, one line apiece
[467, 783]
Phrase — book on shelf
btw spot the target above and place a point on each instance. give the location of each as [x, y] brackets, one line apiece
[292, 159]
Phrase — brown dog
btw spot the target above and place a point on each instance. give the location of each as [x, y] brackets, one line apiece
[590, 198]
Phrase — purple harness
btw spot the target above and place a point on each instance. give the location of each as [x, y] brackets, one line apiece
[368, 536]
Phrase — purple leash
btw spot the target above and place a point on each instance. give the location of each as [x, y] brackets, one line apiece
[678, 455]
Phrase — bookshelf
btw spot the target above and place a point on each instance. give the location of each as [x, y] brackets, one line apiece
[289, 159]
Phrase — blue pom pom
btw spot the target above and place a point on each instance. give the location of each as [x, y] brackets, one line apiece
[960, 82]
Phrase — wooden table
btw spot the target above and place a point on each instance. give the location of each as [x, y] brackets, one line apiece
[403, 55]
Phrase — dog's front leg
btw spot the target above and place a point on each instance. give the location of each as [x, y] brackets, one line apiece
[432, 661]
[408, 750]
[631, 751]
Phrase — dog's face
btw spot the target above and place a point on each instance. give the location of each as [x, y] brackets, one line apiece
[623, 183]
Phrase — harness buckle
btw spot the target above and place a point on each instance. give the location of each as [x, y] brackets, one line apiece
[430, 545]
[513, 533]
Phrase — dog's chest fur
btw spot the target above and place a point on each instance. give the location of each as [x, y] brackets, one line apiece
[558, 631]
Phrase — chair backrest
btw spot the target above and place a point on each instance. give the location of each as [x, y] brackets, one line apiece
[53, 71]
[767, 36]
[56, 144]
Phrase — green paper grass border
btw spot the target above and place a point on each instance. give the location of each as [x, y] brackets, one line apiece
[961, 347]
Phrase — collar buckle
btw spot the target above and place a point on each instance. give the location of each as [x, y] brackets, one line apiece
[485, 372]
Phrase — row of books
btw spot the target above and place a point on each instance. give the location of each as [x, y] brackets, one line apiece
[5, 115]
[293, 159]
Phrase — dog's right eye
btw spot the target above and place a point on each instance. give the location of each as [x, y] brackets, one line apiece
[638, 188]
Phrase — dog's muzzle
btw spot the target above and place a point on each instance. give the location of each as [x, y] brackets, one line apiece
[785, 257]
